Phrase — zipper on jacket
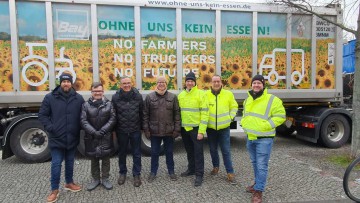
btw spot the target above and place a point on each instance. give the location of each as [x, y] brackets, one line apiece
[216, 115]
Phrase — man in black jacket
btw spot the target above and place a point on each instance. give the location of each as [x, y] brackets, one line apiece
[128, 104]
[98, 119]
[60, 115]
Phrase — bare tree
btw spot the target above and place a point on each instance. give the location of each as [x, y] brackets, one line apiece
[305, 6]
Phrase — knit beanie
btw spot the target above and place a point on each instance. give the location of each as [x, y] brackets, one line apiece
[66, 76]
[190, 76]
[260, 78]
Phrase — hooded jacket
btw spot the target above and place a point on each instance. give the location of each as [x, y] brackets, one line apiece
[61, 118]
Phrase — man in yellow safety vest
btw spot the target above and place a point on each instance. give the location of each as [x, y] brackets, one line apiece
[222, 108]
[262, 113]
[194, 118]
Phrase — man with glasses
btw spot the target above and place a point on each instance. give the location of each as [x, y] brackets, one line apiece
[98, 119]
[128, 104]
[161, 123]
[223, 108]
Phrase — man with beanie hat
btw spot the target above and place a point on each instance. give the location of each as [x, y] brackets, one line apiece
[194, 119]
[60, 114]
[262, 113]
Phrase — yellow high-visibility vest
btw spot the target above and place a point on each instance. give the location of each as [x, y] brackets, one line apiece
[222, 108]
[262, 115]
[194, 109]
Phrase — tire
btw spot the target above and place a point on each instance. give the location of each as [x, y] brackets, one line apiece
[334, 131]
[29, 142]
[81, 146]
[146, 145]
[351, 180]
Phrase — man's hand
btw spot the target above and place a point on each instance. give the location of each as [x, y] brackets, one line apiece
[175, 134]
[97, 135]
[147, 134]
[200, 136]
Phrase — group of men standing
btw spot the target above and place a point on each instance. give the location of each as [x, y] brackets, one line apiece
[162, 117]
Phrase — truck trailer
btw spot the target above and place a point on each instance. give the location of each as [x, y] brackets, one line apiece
[299, 54]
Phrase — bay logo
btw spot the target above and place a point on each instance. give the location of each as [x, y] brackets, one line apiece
[72, 24]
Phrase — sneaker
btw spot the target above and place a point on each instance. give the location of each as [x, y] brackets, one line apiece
[72, 187]
[121, 179]
[250, 188]
[137, 181]
[107, 184]
[173, 177]
[198, 181]
[187, 173]
[215, 171]
[92, 185]
[231, 178]
[151, 177]
[257, 197]
[53, 197]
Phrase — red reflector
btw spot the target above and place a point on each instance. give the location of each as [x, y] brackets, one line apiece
[308, 125]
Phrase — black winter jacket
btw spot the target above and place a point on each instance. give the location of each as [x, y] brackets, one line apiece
[129, 110]
[98, 118]
[61, 118]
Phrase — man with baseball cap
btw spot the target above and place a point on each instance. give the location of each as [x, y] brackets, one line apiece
[194, 119]
[60, 114]
[262, 113]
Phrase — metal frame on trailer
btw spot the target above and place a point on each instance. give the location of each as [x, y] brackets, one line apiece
[28, 98]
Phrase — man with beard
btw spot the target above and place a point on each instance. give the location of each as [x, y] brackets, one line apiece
[60, 114]
[128, 104]
[262, 113]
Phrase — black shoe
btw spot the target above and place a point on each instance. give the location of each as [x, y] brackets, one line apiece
[121, 179]
[173, 177]
[151, 177]
[187, 173]
[137, 181]
[198, 181]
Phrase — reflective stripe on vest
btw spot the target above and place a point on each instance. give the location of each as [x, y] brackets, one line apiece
[265, 117]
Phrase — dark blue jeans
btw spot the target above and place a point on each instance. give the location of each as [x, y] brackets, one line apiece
[155, 152]
[135, 141]
[222, 138]
[57, 157]
[194, 150]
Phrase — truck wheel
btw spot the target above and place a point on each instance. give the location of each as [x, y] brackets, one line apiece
[146, 145]
[29, 141]
[335, 131]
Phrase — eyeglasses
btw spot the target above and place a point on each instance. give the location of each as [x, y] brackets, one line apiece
[97, 91]
[161, 82]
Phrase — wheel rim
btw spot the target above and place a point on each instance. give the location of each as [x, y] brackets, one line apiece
[34, 141]
[335, 131]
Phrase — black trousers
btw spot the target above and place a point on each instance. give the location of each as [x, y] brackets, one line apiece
[194, 150]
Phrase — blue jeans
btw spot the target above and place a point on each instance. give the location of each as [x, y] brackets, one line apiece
[155, 152]
[135, 141]
[222, 138]
[57, 157]
[259, 151]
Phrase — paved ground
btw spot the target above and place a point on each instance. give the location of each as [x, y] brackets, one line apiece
[298, 173]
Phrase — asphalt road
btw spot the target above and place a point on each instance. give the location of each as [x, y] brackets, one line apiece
[297, 173]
